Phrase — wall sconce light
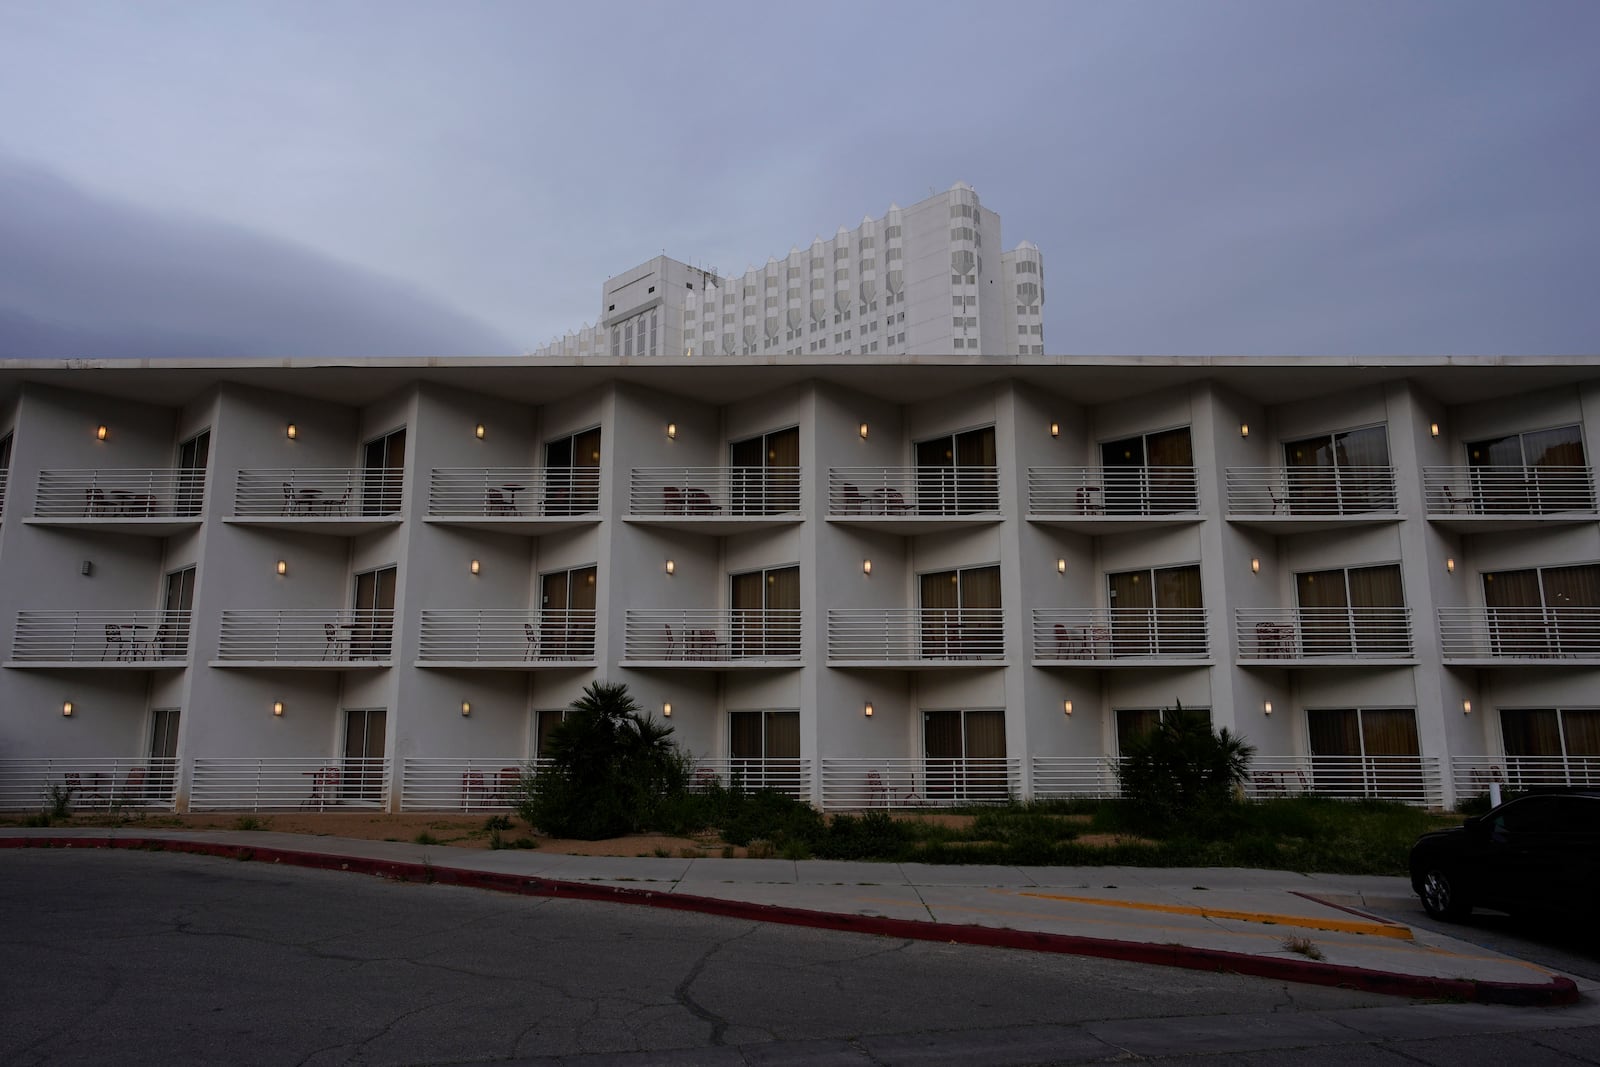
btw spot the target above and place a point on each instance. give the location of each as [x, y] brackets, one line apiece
[291, 431]
[671, 567]
[100, 432]
[1450, 566]
[475, 566]
[1061, 566]
[866, 567]
[466, 708]
[1244, 429]
[283, 566]
[86, 568]
[478, 431]
[863, 431]
[1255, 565]
[1055, 429]
[277, 709]
[1066, 708]
[1266, 707]
[866, 709]
[666, 709]
[1433, 429]
[1466, 707]
[66, 708]
[672, 431]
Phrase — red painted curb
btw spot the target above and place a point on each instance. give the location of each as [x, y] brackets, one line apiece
[1557, 991]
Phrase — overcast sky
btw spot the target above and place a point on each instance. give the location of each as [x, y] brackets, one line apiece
[391, 177]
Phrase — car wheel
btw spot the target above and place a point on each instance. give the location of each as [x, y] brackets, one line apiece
[1443, 897]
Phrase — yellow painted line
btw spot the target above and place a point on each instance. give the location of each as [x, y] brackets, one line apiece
[1344, 926]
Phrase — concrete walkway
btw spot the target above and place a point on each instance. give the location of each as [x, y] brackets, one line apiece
[1302, 928]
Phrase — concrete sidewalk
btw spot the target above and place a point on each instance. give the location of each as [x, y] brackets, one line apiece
[1302, 928]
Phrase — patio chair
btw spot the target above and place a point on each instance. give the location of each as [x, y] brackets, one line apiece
[114, 639]
[507, 784]
[1064, 642]
[532, 637]
[333, 641]
[289, 504]
[496, 502]
[854, 502]
[473, 789]
[672, 500]
[133, 786]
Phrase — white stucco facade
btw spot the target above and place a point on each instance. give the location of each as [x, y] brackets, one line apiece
[1009, 527]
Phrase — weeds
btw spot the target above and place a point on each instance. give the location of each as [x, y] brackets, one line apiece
[425, 838]
[248, 822]
[1303, 946]
[60, 801]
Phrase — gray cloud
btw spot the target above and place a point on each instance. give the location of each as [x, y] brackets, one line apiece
[83, 276]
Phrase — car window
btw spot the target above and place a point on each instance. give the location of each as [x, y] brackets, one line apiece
[1528, 815]
[1580, 815]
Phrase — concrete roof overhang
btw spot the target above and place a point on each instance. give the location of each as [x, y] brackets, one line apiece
[721, 380]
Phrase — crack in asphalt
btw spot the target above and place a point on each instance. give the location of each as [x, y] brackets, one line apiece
[719, 1025]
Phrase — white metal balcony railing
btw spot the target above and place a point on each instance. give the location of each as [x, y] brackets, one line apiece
[714, 492]
[1416, 780]
[913, 491]
[127, 493]
[1291, 492]
[145, 637]
[5, 482]
[856, 783]
[489, 783]
[712, 635]
[1060, 777]
[1313, 633]
[318, 493]
[308, 635]
[792, 777]
[1473, 775]
[1074, 491]
[1145, 634]
[513, 492]
[311, 783]
[1507, 491]
[94, 784]
[513, 635]
[916, 634]
[1519, 633]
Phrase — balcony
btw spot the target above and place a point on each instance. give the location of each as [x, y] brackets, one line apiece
[507, 639]
[1472, 775]
[112, 640]
[912, 638]
[712, 638]
[309, 639]
[1097, 500]
[1509, 637]
[522, 500]
[1486, 499]
[1324, 637]
[1120, 637]
[858, 784]
[342, 501]
[715, 500]
[309, 783]
[914, 500]
[1416, 780]
[96, 784]
[1061, 777]
[490, 783]
[1292, 499]
[152, 502]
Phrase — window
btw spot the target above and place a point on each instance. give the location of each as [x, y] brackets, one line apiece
[765, 474]
[1365, 752]
[1356, 611]
[1157, 612]
[566, 614]
[964, 754]
[1544, 611]
[172, 635]
[961, 614]
[383, 469]
[545, 720]
[1537, 472]
[764, 747]
[1152, 474]
[364, 730]
[766, 612]
[1135, 723]
[1340, 474]
[572, 474]
[956, 474]
[1550, 746]
[371, 622]
[163, 755]
[192, 457]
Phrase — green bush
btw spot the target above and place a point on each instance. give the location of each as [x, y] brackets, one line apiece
[1183, 772]
[873, 836]
[612, 770]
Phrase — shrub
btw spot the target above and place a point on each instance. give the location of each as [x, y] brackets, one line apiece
[1183, 770]
[872, 836]
[612, 769]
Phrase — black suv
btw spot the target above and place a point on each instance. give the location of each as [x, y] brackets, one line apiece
[1540, 851]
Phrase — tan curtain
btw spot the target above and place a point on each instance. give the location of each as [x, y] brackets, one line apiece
[1582, 729]
[975, 448]
[1132, 597]
[1170, 448]
[1320, 589]
[940, 590]
[1372, 591]
[783, 452]
[1560, 447]
[1571, 587]
[1362, 448]
[986, 734]
[941, 596]
[783, 598]
[1334, 732]
[1376, 587]
[744, 735]
[1531, 731]
[1511, 589]
[980, 587]
[783, 589]
[1181, 630]
[1178, 587]
[783, 735]
[1390, 732]
[1134, 723]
